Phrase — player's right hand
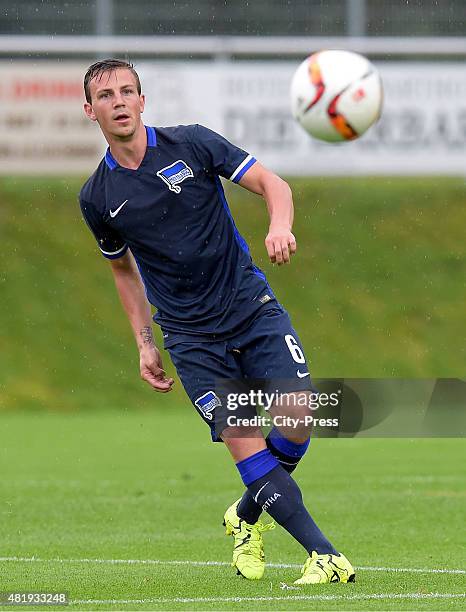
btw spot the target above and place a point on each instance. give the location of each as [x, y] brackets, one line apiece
[280, 244]
[150, 363]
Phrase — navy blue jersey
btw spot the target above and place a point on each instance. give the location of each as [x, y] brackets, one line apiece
[173, 215]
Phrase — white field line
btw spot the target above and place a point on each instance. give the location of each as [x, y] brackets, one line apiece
[190, 600]
[408, 570]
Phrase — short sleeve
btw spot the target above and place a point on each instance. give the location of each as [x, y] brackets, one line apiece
[220, 156]
[109, 241]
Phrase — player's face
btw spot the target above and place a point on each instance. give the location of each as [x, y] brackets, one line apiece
[115, 103]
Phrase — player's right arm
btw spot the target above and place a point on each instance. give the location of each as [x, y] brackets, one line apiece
[132, 294]
[133, 298]
[222, 158]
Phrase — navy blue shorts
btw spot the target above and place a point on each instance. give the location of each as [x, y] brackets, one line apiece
[268, 353]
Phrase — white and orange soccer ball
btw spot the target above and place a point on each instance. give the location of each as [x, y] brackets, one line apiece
[336, 95]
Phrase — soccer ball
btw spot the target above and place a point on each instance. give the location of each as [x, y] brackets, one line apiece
[336, 95]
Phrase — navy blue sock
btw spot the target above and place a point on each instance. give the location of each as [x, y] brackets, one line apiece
[279, 495]
[289, 454]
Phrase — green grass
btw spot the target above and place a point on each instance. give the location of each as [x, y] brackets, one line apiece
[375, 290]
[110, 486]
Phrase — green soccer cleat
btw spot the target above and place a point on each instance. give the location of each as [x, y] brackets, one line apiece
[321, 569]
[248, 551]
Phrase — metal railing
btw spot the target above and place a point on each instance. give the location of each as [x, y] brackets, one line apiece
[226, 47]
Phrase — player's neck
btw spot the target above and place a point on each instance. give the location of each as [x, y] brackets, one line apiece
[130, 154]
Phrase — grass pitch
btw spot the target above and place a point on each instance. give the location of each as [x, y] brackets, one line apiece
[127, 508]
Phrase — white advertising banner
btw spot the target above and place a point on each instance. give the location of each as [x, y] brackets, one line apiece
[422, 130]
[42, 124]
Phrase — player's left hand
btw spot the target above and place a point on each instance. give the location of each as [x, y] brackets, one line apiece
[151, 367]
[280, 244]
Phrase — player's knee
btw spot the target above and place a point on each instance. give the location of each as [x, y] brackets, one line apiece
[301, 433]
[243, 442]
[293, 417]
[299, 436]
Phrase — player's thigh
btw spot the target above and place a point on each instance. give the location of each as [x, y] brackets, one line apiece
[274, 356]
[204, 368]
[272, 351]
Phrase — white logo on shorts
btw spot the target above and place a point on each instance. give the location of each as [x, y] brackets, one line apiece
[207, 403]
[301, 374]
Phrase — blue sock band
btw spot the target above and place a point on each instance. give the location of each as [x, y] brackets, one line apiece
[291, 449]
[256, 466]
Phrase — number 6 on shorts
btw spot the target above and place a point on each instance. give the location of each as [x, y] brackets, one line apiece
[295, 349]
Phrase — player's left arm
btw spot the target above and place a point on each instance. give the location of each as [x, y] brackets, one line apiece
[280, 242]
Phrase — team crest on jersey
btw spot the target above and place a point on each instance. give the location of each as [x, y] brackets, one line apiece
[174, 174]
[207, 403]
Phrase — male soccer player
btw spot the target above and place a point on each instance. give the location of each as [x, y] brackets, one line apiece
[157, 208]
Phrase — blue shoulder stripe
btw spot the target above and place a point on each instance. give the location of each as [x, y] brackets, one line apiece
[151, 136]
[110, 160]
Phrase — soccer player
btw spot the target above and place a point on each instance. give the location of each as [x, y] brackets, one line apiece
[158, 211]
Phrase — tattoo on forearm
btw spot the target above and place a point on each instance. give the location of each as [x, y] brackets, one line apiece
[146, 335]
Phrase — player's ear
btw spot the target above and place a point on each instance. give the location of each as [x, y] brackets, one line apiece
[142, 102]
[89, 111]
